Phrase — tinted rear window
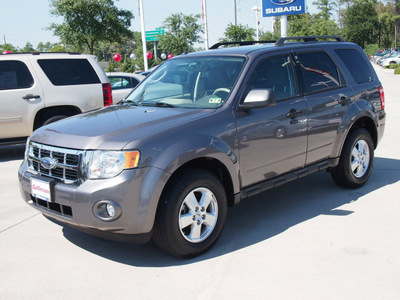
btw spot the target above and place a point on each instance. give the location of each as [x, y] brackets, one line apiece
[14, 75]
[319, 71]
[357, 65]
[69, 71]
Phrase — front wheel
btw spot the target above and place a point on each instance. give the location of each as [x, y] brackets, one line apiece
[191, 214]
[356, 160]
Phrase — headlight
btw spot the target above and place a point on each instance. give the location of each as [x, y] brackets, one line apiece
[108, 164]
[28, 150]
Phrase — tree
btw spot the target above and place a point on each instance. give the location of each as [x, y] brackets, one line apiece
[361, 23]
[8, 47]
[88, 22]
[325, 7]
[182, 32]
[307, 24]
[238, 33]
[28, 48]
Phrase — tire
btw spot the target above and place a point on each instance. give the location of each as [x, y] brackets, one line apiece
[54, 119]
[185, 227]
[356, 161]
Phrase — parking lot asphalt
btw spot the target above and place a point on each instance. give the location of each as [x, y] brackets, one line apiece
[308, 239]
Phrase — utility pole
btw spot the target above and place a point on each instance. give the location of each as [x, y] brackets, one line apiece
[205, 24]
[146, 65]
[235, 11]
[4, 36]
[257, 9]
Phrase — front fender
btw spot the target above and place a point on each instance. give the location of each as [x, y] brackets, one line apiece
[194, 147]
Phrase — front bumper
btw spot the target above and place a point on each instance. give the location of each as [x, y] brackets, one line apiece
[136, 191]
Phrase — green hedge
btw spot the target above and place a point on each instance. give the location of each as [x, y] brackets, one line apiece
[393, 66]
[397, 71]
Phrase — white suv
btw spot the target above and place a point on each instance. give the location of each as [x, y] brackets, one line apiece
[40, 88]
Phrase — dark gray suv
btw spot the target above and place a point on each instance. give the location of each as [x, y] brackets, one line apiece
[204, 131]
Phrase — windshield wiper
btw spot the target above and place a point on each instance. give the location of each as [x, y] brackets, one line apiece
[127, 101]
[164, 104]
[158, 104]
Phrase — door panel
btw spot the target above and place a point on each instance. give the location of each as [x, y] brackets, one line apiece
[272, 140]
[327, 99]
[20, 98]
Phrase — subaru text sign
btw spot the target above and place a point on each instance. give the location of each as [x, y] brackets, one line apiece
[282, 7]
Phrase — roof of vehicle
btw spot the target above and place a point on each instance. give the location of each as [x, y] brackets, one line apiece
[261, 46]
[47, 55]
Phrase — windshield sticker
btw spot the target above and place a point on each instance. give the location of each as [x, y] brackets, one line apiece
[215, 100]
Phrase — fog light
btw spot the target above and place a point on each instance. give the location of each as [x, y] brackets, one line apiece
[110, 210]
[107, 210]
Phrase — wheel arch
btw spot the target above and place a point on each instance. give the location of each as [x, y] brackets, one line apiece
[212, 165]
[48, 112]
[368, 124]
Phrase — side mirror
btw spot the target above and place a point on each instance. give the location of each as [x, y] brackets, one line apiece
[258, 98]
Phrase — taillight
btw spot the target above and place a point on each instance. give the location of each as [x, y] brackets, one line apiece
[382, 97]
[107, 95]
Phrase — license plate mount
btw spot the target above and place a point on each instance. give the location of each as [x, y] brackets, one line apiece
[42, 189]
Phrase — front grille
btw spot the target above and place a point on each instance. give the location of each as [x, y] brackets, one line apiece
[63, 210]
[66, 162]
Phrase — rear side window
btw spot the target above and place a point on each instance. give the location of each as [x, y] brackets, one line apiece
[14, 74]
[69, 71]
[318, 70]
[118, 83]
[357, 65]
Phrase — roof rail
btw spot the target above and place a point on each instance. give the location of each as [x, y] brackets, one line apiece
[245, 43]
[310, 38]
[38, 53]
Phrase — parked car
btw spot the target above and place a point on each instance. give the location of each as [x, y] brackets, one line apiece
[39, 88]
[378, 55]
[392, 59]
[122, 84]
[204, 131]
[146, 73]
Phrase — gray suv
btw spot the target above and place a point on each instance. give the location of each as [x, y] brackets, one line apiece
[204, 131]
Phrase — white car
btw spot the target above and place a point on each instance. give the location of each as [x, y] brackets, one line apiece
[391, 60]
[122, 84]
[39, 88]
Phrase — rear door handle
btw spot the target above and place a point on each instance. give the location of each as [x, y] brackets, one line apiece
[343, 100]
[293, 113]
[30, 97]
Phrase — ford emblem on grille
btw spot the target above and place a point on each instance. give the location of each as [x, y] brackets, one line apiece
[48, 163]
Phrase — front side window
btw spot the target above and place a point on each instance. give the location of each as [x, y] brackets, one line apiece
[319, 71]
[276, 74]
[190, 82]
[14, 75]
[69, 71]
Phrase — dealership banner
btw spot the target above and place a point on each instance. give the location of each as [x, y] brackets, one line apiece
[272, 8]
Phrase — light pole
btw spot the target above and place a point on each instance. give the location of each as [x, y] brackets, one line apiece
[146, 65]
[257, 9]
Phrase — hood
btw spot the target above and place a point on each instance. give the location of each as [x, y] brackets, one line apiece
[113, 127]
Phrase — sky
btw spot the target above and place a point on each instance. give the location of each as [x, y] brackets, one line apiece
[23, 21]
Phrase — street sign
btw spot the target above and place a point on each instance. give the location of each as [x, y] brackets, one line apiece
[272, 8]
[154, 35]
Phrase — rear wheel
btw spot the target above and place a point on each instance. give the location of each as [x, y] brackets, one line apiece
[356, 160]
[191, 215]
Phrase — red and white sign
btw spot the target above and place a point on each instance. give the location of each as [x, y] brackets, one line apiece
[40, 189]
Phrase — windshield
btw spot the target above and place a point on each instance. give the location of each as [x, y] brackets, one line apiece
[190, 82]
